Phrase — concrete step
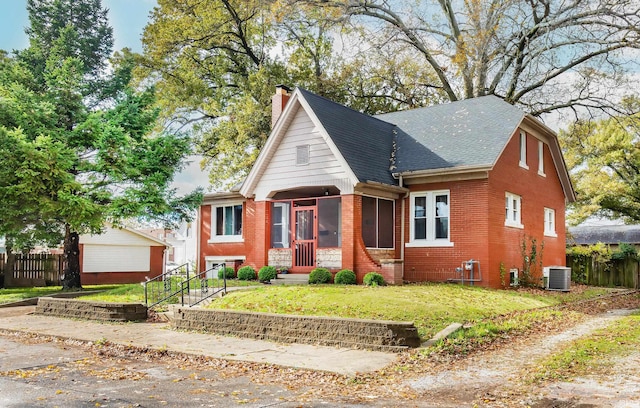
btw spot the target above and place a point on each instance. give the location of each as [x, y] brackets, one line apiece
[291, 279]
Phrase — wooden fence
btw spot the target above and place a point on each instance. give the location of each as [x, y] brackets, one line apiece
[615, 272]
[28, 270]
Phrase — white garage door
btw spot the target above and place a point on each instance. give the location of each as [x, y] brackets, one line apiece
[115, 258]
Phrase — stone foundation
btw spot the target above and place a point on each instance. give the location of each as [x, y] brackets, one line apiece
[330, 258]
[348, 333]
[80, 309]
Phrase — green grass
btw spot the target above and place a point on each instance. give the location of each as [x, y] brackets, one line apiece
[592, 354]
[17, 294]
[430, 306]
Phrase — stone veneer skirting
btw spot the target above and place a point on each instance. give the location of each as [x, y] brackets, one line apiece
[349, 333]
[82, 309]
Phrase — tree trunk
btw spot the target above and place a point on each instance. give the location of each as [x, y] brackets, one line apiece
[71, 277]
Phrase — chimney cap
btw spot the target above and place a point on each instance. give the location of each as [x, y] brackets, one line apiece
[282, 87]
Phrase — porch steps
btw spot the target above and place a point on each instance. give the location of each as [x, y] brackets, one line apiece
[291, 279]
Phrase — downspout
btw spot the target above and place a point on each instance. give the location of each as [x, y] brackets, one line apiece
[402, 218]
[198, 230]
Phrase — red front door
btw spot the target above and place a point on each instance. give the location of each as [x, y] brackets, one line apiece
[304, 239]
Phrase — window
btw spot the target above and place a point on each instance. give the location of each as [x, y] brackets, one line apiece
[329, 223]
[377, 222]
[541, 158]
[302, 155]
[280, 231]
[227, 222]
[430, 219]
[513, 210]
[523, 150]
[550, 222]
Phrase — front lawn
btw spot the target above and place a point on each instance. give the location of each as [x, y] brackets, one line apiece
[430, 306]
[17, 294]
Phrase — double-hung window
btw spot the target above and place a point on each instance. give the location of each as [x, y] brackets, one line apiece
[430, 219]
[550, 222]
[226, 223]
[513, 210]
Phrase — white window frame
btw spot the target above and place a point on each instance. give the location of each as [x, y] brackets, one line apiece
[550, 222]
[513, 210]
[214, 238]
[430, 215]
[541, 158]
[523, 150]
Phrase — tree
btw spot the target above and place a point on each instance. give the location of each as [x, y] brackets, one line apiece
[216, 65]
[77, 144]
[545, 55]
[604, 159]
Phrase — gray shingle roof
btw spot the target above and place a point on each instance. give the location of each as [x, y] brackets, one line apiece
[609, 234]
[471, 132]
[365, 142]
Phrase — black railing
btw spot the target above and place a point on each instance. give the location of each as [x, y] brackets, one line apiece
[166, 287]
[203, 286]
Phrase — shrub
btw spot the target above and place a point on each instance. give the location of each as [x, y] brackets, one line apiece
[320, 275]
[227, 272]
[266, 273]
[246, 273]
[373, 279]
[345, 277]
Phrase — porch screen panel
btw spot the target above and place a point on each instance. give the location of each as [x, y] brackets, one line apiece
[280, 231]
[385, 223]
[369, 221]
[329, 223]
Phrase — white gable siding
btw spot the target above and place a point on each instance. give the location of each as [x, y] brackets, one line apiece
[323, 169]
[115, 258]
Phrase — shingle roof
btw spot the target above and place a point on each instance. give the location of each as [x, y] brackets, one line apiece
[365, 142]
[471, 132]
[609, 234]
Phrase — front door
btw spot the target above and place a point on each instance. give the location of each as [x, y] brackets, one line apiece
[304, 238]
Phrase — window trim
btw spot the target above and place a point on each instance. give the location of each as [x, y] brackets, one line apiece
[430, 240]
[509, 199]
[213, 237]
[547, 231]
[541, 159]
[523, 150]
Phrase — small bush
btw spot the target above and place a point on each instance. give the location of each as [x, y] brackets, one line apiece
[320, 275]
[373, 279]
[266, 273]
[345, 277]
[246, 273]
[227, 272]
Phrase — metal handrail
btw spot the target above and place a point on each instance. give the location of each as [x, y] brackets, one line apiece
[165, 286]
[198, 288]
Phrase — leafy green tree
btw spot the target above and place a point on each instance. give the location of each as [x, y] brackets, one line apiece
[604, 159]
[77, 143]
[216, 64]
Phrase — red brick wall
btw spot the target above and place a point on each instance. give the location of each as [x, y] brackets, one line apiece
[468, 229]
[537, 192]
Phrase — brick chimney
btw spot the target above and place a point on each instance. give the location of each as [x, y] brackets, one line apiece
[278, 102]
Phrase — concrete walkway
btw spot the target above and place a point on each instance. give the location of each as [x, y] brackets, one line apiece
[160, 336]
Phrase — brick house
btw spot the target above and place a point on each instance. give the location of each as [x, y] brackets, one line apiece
[447, 192]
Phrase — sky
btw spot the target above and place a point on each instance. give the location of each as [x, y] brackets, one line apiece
[128, 19]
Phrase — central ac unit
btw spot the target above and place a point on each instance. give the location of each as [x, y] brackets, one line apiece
[559, 278]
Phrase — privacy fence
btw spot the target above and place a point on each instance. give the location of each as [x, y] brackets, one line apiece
[613, 272]
[27, 270]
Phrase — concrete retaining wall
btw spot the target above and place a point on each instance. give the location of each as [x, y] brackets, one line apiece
[91, 310]
[348, 333]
